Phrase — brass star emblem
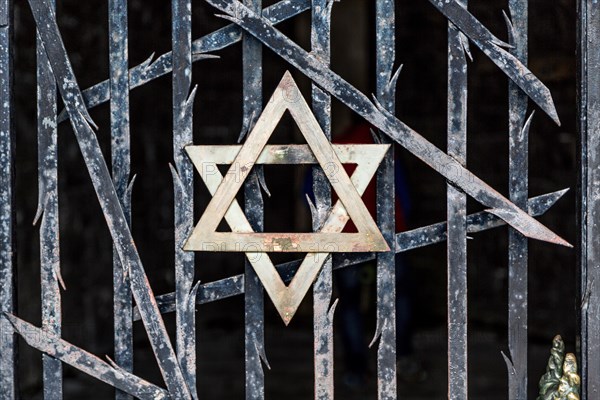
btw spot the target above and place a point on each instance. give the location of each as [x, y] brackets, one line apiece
[317, 245]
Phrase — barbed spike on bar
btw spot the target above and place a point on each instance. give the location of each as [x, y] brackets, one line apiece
[217, 40]
[397, 130]
[84, 361]
[495, 49]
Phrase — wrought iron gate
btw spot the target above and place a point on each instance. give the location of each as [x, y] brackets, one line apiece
[255, 28]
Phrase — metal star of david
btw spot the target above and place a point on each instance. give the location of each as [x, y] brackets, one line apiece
[318, 245]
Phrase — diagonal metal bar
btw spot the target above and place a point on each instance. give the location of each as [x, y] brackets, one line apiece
[323, 287]
[105, 190]
[385, 48]
[59, 349]
[442, 163]
[518, 189]
[8, 342]
[405, 241]
[492, 47]
[48, 208]
[217, 40]
[183, 186]
[120, 152]
[457, 217]
[254, 318]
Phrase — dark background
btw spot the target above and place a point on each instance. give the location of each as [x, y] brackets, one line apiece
[86, 251]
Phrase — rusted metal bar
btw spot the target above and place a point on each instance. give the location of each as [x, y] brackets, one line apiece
[323, 286]
[589, 195]
[494, 48]
[183, 186]
[120, 151]
[50, 275]
[254, 327]
[405, 241]
[457, 216]
[108, 372]
[385, 44]
[8, 342]
[105, 190]
[519, 192]
[217, 40]
[373, 112]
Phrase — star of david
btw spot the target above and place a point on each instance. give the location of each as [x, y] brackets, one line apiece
[256, 245]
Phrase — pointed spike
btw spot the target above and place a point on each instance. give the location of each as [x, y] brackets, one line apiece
[147, 62]
[112, 363]
[525, 129]
[510, 28]
[509, 364]
[260, 172]
[247, 126]
[228, 17]
[189, 103]
[502, 44]
[313, 212]
[393, 83]
[380, 107]
[466, 46]
[533, 230]
[176, 178]
[330, 6]
[262, 354]
[60, 279]
[333, 307]
[376, 136]
[377, 334]
[129, 191]
[40, 209]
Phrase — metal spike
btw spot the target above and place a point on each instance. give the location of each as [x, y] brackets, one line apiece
[411, 140]
[405, 241]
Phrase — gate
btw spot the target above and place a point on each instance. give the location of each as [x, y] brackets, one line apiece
[256, 27]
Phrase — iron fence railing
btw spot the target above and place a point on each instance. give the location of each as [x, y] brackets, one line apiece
[177, 361]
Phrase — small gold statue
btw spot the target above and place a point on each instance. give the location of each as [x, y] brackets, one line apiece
[561, 381]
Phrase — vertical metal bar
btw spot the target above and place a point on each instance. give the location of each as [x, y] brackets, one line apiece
[518, 189]
[253, 206]
[183, 177]
[457, 213]
[120, 151]
[589, 192]
[8, 342]
[386, 215]
[50, 274]
[323, 287]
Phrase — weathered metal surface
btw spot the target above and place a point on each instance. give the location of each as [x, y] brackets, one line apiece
[405, 241]
[217, 40]
[50, 275]
[589, 195]
[373, 112]
[329, 248]
[108, 372]
[323, 311]
[518, 127]
[120, 157]
[105, 190]
[183, 186]
[457, 217]
[254, 329]
[385, 332]
[8, 342]
[494, 48]
[287, 298]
